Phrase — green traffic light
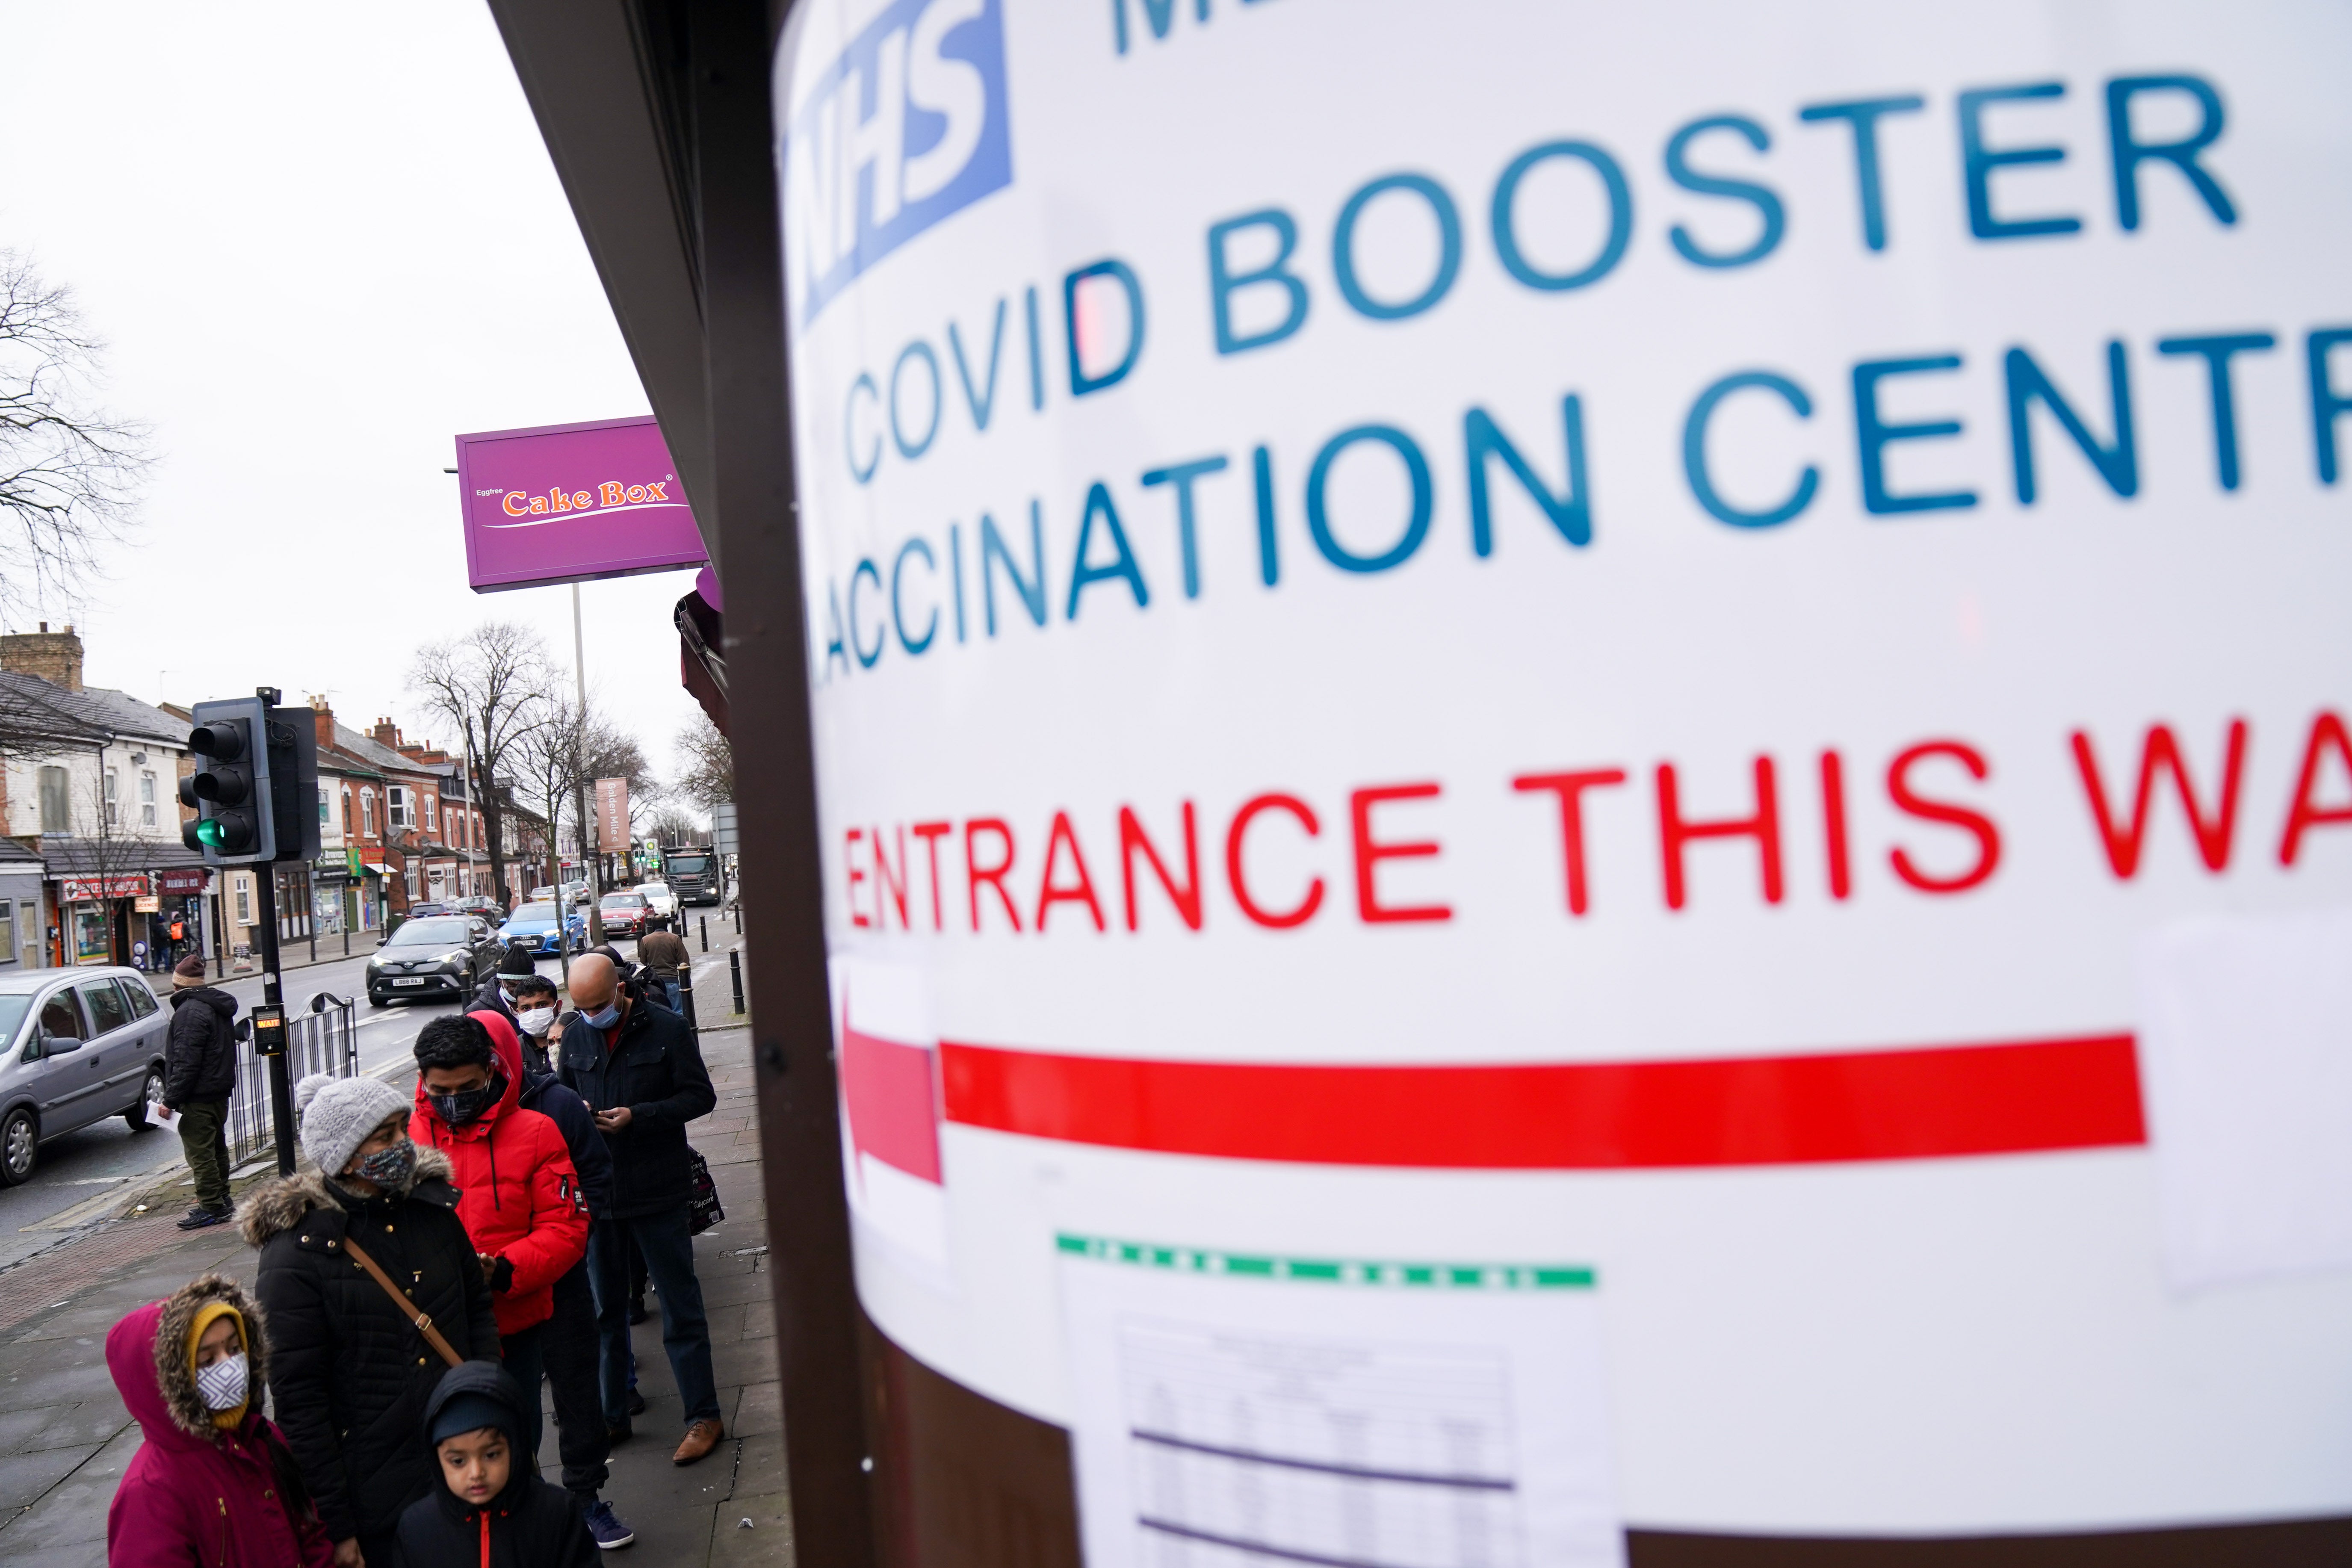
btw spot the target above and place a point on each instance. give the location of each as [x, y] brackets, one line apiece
[210, 832]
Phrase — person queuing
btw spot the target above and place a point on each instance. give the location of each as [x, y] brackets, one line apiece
[351, 1371]
[199, 1073]
[490, 1506]
[496, 992]
[665, 956]
[527, 1207]
[213, 1482]
[639, 1069]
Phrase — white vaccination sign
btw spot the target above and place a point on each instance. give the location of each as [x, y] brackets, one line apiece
[1612, 643]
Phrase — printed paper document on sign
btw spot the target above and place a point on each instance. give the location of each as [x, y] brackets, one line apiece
[1235, 1409]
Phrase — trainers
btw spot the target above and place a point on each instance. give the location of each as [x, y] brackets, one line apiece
[200, 1217]
[606, 1527]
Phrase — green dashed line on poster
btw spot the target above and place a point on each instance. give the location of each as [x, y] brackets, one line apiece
[1330, 1272]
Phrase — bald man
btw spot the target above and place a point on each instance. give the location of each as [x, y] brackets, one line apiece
[639, 1069]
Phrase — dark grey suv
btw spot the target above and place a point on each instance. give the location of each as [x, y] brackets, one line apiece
[440, 956]
[76, 1046]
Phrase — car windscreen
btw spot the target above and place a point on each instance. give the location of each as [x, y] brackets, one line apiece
[689, 864]
[622, 901]
[541, 912]
[434, 932]
[12, 1013]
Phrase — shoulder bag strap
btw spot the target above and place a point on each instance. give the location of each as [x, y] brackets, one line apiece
[408, 1308]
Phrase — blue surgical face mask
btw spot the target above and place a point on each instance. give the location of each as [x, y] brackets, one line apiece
[606, 1018]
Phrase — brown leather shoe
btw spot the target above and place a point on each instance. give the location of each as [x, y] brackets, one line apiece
[700, 1439]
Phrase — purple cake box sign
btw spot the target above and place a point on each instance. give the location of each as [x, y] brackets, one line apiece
[570, 503]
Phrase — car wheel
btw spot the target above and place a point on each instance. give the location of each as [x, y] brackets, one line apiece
[20, 1137]
[150, 1093]
[374, 1000]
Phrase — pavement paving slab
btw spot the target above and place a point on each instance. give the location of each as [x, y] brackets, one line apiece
[65, 1438]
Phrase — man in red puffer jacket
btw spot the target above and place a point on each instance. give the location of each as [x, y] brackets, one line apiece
[518, 1196]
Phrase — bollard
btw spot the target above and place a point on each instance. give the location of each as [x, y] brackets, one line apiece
[739, 919]
[686, 998]
[735, 972]
[704, 922]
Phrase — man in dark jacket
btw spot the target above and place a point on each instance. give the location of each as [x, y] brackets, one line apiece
[637, 1066]
[199, 1071]
[350, 1371]
[496, 992]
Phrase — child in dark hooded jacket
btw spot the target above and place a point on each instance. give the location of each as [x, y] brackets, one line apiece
[491, 1509]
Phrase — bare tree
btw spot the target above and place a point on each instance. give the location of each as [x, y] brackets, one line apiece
[492, 684]
[545, 765]
[673, 825]
[69, 470]
[708, 777]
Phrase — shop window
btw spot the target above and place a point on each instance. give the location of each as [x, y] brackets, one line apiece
[93, 935]
[244, 886]
[56, 801]
[147, 800]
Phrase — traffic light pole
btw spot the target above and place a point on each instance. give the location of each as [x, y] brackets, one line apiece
[281, 1087]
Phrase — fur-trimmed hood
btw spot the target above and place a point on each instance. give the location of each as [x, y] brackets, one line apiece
[147, 1352]
[280, 1206]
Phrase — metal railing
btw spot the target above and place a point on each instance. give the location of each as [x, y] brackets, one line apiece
[324, 1040]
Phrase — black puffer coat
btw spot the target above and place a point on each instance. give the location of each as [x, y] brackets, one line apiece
[199, 1059]
[655, 1069]
[349, 1375]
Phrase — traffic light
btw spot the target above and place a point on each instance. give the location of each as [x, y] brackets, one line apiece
[236, 817]
[294, 781]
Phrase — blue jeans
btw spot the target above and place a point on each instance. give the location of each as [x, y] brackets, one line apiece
[668, 1248]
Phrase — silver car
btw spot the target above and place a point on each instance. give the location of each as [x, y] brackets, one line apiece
[76, 1046]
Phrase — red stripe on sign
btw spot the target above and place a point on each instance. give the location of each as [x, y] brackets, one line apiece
[2078, 1093]
[893, 1112]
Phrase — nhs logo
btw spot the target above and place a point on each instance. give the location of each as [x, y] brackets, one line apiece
[905, 129]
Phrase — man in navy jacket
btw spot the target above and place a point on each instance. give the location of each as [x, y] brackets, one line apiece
[641, 1072]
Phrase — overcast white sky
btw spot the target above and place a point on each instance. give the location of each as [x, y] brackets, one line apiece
[320, 240]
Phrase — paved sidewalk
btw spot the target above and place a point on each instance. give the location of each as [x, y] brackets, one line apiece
[65, 1438]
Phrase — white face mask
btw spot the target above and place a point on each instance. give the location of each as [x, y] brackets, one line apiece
[222, 1384]
[536, 1020]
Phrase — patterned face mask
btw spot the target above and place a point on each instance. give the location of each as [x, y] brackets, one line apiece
[389, 1168]
[222, 1384]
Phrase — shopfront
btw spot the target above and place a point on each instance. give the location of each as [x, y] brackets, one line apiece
[97, 916]
[174, 915]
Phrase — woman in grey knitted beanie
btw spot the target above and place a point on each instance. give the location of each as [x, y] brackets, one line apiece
[350, 1370]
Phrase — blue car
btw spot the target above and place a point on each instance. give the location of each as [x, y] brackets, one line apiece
[534, 925]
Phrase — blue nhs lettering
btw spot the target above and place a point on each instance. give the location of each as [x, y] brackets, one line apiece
[904, 130]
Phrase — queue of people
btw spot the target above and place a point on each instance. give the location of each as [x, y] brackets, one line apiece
[442, 1256]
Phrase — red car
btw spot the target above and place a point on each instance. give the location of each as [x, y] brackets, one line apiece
[624, 913]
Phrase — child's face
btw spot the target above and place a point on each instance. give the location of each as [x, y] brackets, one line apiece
[474, 1464]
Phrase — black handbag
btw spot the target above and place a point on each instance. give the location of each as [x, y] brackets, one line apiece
[702, 1210]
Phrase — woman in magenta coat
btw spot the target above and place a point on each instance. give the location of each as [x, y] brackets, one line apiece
[213, 1486]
